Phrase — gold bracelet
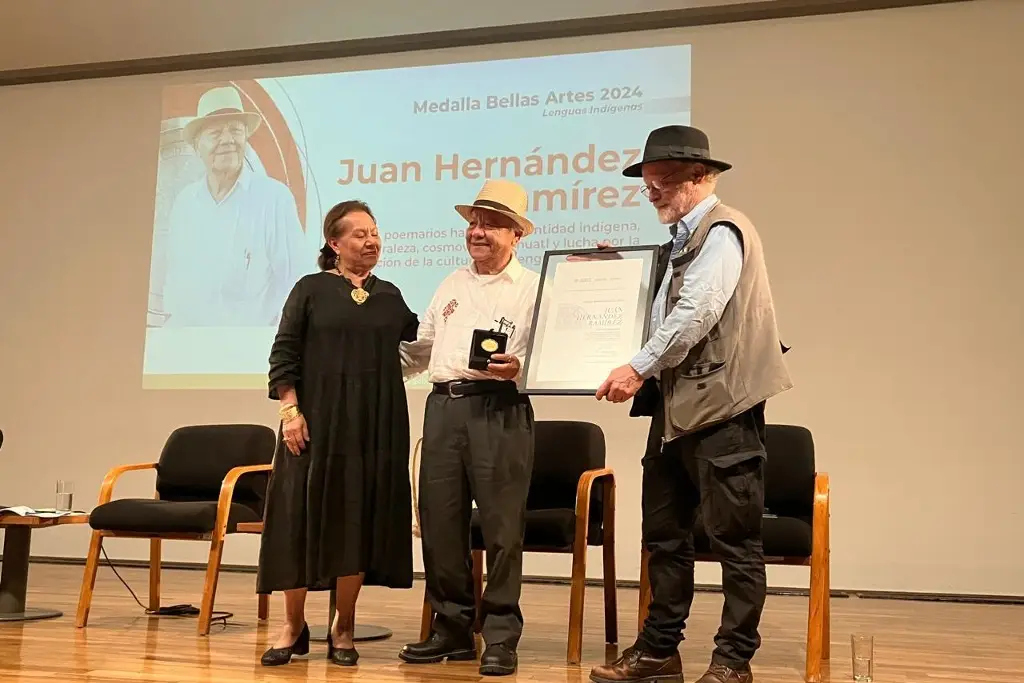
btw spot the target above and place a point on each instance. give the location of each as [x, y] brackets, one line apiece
[289, 413]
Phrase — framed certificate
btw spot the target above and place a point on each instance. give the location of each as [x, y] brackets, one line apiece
[593, 314]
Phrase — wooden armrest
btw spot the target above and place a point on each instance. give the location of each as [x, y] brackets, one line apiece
[107, 487]
[586, 484]
[821, 493]
[583, 494]
[227, 492]
[235, 473]
[821, 514]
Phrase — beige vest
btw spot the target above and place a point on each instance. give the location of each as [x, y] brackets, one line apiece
[739, 363]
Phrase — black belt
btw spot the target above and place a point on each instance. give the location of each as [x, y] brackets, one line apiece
[460, 388]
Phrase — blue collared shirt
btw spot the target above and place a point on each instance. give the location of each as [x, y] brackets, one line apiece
[708, 284]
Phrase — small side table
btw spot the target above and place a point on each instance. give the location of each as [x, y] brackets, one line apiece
[363, 632]
[14, 571]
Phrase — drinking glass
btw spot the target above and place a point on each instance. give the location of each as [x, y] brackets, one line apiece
[65, 495]
[863, 648]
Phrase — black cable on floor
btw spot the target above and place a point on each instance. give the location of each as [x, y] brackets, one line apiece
[172, 611]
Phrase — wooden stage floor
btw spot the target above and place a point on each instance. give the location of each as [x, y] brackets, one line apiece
[915, 641]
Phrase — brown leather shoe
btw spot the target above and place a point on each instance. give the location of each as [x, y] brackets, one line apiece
[637, 666]
[718, 673]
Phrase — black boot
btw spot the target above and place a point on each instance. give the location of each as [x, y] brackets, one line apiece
[498, 660]
[437, 648]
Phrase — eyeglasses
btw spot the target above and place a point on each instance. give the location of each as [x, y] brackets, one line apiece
[489, 227]
[663, 183]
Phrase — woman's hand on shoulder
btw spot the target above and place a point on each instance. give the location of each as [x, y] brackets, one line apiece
[295, 434]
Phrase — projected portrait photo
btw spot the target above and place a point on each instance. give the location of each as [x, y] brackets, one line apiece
[229, 238]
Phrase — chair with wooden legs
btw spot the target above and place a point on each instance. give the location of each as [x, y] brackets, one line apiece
[570, 506]
[795, 531]
[209, 479]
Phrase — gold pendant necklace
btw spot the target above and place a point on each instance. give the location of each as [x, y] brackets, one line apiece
[359, 295]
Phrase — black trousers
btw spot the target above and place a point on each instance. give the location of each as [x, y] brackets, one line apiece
[475, 448]
[714, 477]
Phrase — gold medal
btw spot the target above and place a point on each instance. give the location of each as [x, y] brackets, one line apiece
[489, 345]
[359, 295]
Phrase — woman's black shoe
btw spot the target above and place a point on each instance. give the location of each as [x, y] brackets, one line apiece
[277, 656]
[341, 656]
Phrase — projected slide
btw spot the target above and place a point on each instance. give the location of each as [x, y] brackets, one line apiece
[247, 169]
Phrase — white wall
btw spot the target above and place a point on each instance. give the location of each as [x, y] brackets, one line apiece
[54, 32]
[884, 180]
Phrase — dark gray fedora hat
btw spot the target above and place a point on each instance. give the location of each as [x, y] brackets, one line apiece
[676, 143]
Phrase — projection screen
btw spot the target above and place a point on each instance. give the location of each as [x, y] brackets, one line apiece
[239, 204]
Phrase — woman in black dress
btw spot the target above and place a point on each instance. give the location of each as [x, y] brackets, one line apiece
[339, 509]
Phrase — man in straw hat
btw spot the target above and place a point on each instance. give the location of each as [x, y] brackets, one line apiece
[712, 361]
[235, 245]
[477, 434]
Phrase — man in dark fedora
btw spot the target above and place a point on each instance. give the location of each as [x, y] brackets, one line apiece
[714, 358]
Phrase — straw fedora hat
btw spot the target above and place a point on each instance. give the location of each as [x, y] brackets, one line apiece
[504, 197]
[221, 104]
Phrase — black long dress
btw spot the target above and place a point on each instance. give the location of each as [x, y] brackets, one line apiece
[343, 506]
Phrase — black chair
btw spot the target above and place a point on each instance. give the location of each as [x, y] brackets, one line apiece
[795, 531]
[199, 497]
[566, 513]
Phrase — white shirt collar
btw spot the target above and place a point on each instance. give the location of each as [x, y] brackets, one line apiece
[243, 180]
[245, 176]
[513, 270]
[698, 212]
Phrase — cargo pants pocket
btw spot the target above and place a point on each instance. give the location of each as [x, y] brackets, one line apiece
[732, 498]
